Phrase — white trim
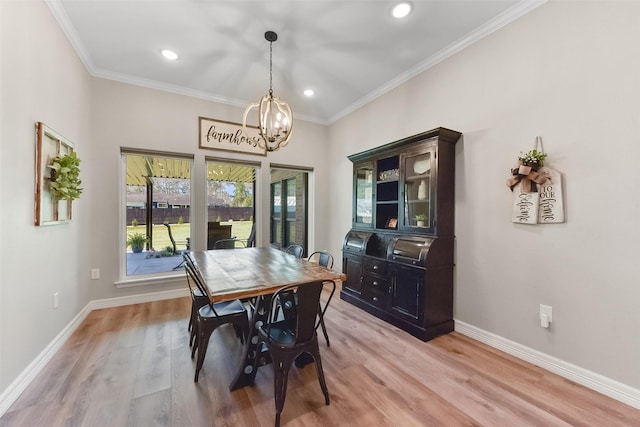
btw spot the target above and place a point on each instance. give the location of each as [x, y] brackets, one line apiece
[519, 9]
[19, 385]
[15, 389]
[55, 6]
[149, 280]
[614, 389]
[505, 18]
[137, 299]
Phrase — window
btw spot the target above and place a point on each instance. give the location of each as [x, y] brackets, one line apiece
[231, 189]
[288, 207]
[157, 212]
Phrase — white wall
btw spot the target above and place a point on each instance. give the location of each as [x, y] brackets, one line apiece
[569, 72]
[43, 80]
[131, 116]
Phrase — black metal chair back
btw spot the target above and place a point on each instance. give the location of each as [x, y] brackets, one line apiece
[288, 338]
[199, 298]
[323, 258]
[295, 250]
[210, 315]
[229, 244]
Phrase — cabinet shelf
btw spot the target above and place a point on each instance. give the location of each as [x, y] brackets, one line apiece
[417, 177]
[384, 181]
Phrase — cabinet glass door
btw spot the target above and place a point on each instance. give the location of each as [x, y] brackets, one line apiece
[418, 198]
[363, 177]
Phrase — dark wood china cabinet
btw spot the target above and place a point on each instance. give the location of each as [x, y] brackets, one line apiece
[398, 256]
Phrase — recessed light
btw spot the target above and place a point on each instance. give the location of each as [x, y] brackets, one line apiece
[309, 92]
[401, 10]
[169, 54]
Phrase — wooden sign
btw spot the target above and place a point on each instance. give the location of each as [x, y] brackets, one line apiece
[525, 206]
[229, 136]
[550, 206]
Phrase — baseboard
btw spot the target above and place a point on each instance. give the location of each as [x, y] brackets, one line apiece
[614, 389]
[15, 389]
[137, 299]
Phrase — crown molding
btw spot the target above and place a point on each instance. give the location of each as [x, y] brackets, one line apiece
[505, 18]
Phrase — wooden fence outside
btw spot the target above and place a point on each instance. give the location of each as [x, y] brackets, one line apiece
[173, 215]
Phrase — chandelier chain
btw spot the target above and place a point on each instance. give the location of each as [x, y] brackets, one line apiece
[270, 68]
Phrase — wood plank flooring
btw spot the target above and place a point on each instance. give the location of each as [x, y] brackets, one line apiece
[131, 366]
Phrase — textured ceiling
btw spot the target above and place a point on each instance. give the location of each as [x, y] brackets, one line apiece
[349, 52]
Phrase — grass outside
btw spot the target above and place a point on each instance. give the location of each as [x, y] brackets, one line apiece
[180, 232]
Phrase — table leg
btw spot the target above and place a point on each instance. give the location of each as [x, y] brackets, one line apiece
[252, 356]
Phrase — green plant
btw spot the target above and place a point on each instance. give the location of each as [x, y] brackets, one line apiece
[420, 217]
[65, 181]
[533, 158]
[180, 220]
[134, 222]
[137, 241]
[218, 219]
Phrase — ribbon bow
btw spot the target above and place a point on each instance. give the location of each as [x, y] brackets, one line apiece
[529, 180]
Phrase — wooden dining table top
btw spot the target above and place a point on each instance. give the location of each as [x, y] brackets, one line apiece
[249, 272]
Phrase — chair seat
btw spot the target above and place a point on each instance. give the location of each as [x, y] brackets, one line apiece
[225, 308]
[280, 333]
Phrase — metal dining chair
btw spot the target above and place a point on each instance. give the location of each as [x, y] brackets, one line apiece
[325, 259]
[295, 250]
[229, 244]
[294, 335]
[212, 315]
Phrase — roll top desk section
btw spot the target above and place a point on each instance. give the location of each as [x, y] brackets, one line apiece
[398, 256]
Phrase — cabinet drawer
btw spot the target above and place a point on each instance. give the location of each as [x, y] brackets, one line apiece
[375, 266]
[376, 283]
[379, 299]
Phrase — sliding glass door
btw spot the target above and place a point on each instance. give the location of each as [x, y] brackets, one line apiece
[288, 222]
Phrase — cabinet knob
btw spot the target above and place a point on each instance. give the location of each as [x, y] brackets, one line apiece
[375, 267]
[375, 299]
[375, 283]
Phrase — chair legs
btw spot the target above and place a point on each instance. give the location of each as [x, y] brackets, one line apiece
[282, 362]
[324, 328]
[203, 331]
[202, 343]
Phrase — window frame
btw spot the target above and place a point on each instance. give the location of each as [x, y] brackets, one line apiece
[125, 280]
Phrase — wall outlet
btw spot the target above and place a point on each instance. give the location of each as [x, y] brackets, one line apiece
[546, 315]
[95, 273]
[56, 300]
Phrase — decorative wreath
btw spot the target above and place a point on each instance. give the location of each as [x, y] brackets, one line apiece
[527, 172]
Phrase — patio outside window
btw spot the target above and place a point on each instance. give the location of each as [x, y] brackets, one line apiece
[158, 208]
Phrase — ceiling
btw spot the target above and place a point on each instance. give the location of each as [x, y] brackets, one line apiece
[348, 51]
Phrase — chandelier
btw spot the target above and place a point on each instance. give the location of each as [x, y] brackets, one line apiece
[274, 115]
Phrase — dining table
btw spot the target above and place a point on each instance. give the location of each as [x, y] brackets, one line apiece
[254, 274]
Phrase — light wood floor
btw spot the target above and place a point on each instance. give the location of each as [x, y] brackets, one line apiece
[131, 366]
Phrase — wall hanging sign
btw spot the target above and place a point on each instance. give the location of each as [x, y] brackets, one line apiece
[229, 136]
[57, 181]
[537, 190]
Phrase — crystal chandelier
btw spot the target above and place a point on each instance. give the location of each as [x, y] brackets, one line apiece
[274, 115]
